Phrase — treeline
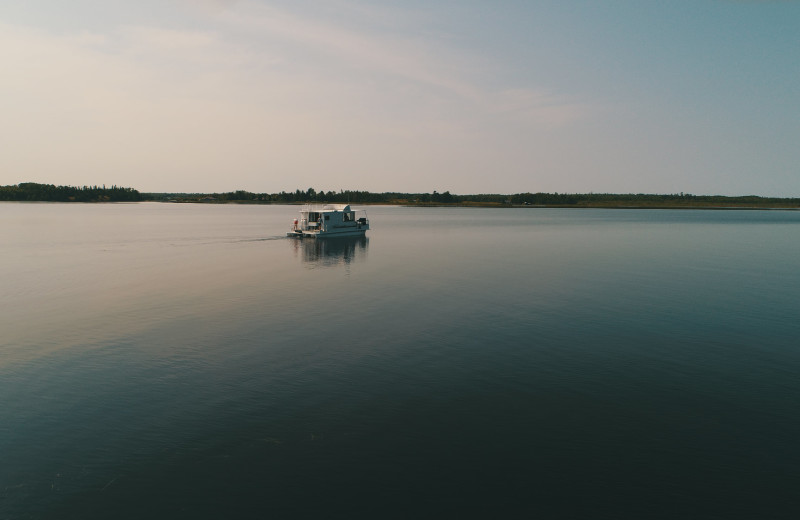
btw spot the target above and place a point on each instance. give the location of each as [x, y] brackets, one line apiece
[644, 199]
[31, 191]
[297, 196]
[518, 199]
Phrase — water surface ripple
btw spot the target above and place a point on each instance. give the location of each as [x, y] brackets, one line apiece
[187, 361]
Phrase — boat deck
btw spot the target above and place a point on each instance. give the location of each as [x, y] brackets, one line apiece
[302, 234]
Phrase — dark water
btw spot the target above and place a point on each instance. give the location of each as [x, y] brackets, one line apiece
[183, 361]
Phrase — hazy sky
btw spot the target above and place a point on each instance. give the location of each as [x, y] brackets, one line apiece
[501, 96]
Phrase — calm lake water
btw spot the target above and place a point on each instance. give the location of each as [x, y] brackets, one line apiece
[187, 361]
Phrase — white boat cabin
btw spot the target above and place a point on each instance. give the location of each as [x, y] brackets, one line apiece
[329, 220]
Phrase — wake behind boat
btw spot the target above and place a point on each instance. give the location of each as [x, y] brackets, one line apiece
[329, 220]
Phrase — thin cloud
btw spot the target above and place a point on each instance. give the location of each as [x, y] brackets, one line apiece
[203, 48]
[257, 91]
[447, 74]
[399, 58]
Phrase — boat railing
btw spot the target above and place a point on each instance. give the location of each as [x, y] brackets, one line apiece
[304, 225]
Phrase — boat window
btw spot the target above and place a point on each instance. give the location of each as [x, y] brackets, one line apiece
[327, 217]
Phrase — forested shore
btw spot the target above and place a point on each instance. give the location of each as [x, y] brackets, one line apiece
[30, 191]
[640, 200]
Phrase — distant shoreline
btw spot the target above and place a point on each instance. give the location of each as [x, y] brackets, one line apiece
[34, 192]
[443, 205]
[731, 207]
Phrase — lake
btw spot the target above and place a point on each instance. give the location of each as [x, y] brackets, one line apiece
[189, 361]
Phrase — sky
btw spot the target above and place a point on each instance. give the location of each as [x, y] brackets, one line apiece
[466, 96]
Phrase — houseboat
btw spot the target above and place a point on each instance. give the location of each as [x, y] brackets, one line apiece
[329, 220]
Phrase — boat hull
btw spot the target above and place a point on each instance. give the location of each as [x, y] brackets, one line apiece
[327, 234]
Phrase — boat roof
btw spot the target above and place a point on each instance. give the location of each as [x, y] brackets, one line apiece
[321, 208]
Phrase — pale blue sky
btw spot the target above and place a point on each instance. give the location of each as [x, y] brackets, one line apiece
[699, 96]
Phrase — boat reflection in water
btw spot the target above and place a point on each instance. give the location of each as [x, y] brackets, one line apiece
[331, 252]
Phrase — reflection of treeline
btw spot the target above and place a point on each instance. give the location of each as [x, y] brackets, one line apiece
[31, 191]
[519, 199]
